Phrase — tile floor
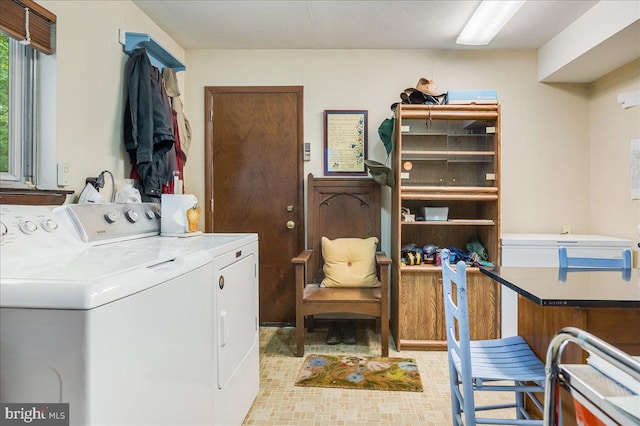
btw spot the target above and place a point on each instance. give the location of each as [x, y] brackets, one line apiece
[281, 403]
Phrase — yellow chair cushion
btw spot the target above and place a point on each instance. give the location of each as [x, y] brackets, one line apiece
[350, 262]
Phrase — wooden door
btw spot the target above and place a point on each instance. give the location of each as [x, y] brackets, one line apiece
[253, 174]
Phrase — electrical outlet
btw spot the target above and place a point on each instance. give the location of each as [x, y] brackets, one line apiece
[122, 36]
[566, 229]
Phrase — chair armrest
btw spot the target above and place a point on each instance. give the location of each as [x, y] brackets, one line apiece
[300, 267]
[383, 264]
[382, 258]
[303, 257]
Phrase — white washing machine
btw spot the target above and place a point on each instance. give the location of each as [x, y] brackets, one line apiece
[126, 332]
[541, 250]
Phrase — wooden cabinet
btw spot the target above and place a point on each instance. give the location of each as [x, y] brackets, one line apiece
[446, 158]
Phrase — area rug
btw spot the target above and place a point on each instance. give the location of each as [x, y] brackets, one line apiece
[360, 372]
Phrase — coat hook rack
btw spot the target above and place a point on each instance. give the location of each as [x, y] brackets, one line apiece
[158, 55]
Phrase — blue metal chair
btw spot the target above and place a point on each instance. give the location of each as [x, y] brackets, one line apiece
[477, 365]
[624, 262]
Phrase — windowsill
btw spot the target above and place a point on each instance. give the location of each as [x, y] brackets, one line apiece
[35, 197]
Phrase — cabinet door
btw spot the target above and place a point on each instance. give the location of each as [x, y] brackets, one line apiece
[448, 153]
[484, 306]
[421, 309]
[421, 314]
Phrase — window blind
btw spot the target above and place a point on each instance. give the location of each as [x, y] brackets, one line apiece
[25, 20]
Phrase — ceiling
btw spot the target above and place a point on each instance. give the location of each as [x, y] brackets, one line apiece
[351, 24]
[347, 24]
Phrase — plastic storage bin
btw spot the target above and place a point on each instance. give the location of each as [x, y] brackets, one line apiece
[435, 213]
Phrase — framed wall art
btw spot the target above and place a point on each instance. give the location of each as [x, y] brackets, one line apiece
[345, 142]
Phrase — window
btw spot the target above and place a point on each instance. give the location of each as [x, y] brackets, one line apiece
[27, 32]
[17, 112]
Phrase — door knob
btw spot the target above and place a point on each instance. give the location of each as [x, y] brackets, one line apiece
[291, 224]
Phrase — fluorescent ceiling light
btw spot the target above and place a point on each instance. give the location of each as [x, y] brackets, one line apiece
[487, 21]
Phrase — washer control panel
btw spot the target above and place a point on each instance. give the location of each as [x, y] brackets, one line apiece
[100, 223]
[28, 230]
[32, 228]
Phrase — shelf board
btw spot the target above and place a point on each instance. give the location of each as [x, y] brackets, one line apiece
[450, 108]
[447, 153]
[448, 197]
[448, 112]
[455, 222]
[449, 135]
[450, 193]
[423, 134]
[452, 189]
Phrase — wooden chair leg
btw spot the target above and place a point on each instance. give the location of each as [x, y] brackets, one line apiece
[384, 339]
[310, 324]
[299, 335]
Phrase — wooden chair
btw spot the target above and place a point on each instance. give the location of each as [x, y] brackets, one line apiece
[340, 208]
[476, 365]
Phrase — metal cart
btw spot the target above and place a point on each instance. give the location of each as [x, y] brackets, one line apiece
[602, 395]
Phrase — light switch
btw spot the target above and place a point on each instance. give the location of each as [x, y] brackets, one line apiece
[63, 174]
[307, 151]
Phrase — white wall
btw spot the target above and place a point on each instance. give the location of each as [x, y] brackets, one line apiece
[613, 212]
[89, 68]
[545, 128]
[564, 147]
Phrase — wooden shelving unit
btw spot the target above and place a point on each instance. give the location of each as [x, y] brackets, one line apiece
[444, 156]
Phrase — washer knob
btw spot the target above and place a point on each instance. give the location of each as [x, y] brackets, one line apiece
[150, 214]
[49, 225]
[111, 217]
[28, 227]
[131, 215]
[3, 229]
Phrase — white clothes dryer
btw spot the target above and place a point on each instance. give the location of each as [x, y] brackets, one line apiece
[236, 329]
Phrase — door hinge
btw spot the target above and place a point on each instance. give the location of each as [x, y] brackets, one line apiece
[211, 115]
[211, 204]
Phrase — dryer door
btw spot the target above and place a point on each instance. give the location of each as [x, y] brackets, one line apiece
[236, 288]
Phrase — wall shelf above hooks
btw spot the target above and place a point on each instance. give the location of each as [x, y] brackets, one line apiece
[158, 55]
